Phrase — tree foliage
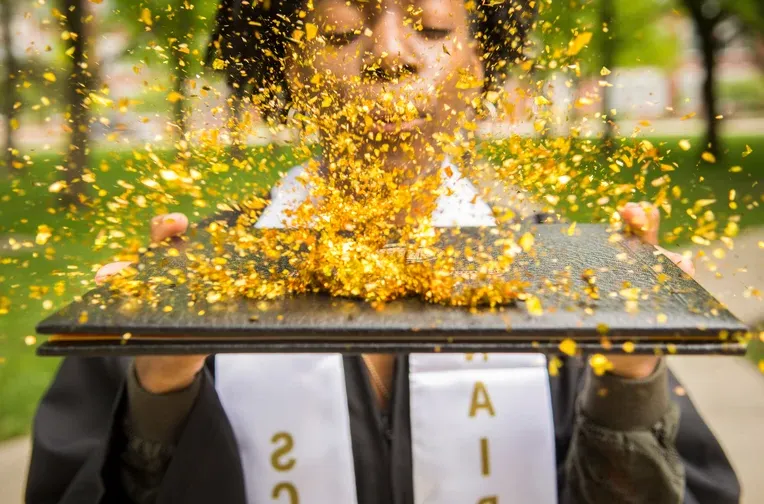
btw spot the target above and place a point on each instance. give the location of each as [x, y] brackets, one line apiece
[170, 32]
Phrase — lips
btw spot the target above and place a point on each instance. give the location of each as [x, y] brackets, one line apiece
[384, 123]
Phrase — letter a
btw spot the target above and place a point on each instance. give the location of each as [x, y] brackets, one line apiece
[478, 403]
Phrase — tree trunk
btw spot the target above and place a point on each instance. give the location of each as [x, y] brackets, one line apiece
[179, 87]
[236, 109]
[9, 81]
[608, 59]
[180, 67]
[709, 94]
[76, 92]
[704, 28]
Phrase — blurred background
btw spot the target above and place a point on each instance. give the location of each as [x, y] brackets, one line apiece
[96, 92]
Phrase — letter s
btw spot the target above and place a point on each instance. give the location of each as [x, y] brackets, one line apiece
[287, 444]
[289, 488]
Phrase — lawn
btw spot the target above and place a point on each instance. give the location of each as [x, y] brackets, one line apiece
[36, 280]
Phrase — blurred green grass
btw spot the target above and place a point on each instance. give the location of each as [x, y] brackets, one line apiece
[25, 203]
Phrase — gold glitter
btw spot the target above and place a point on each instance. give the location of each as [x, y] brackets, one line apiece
[568, 347]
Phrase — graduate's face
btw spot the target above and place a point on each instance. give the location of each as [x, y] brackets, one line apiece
[395, 74]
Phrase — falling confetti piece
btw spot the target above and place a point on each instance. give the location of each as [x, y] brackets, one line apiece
[684, 145]
[533, 305]
[568, 347]
[708, 157]
[30, 340]
[630, 293]
[628, 347]
[174, 97]
[747, 150]
[554, 366]
[311, 31]
[49, 76]
[57, 187]
[578, 43]
[146, 17]
[43, 234]
[526, 242]
[600, 364]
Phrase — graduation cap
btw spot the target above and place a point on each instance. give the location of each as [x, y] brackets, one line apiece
[606, 293]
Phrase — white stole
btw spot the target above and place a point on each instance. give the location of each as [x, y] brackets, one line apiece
[481, 426]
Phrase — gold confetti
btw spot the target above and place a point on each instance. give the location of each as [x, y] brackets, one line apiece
[578, 43]
[311, 31]
[43, 234]
[174, 97]
[747, 150]
[554, 366]
[708, 157]
[57, 187]
[526, 242]
[49, 76]
[146, 17]
[630, 293]
[568, 347]
[533, 305]
[600, 364]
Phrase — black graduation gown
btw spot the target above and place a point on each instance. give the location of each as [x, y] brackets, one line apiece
[78, 439]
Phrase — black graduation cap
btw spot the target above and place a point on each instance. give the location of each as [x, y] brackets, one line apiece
[606, 294]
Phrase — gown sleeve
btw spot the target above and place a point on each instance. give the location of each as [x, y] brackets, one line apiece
[79, 443]
[621, 440]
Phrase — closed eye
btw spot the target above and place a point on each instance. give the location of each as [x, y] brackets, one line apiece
[341, 39]
[435, 33]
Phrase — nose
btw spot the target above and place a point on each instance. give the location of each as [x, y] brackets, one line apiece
[390, 54]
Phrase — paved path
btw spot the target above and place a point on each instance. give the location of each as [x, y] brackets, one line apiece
[728, 391]
[13, 463]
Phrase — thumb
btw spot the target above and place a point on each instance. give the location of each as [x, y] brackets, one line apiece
[109, 270]
[643, 220]
[168, 225]
[684, 263]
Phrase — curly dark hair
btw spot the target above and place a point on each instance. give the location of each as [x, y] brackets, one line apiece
[251, 38]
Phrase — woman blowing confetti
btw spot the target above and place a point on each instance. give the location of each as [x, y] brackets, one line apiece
[390, 89]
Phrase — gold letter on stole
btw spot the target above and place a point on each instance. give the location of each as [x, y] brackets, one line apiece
[485, 460]
[288, 444]
[291, 491]
[489, 500]
[476, 403]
